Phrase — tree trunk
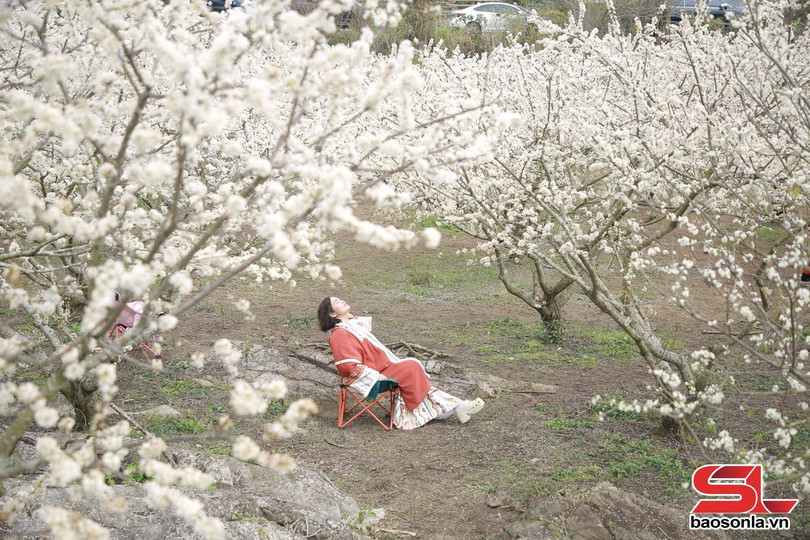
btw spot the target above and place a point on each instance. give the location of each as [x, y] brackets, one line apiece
[82, 396]
[550, 310]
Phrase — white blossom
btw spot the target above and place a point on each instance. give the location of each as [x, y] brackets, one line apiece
[70, 525]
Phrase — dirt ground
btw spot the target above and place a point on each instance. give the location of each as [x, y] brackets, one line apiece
[448, 480]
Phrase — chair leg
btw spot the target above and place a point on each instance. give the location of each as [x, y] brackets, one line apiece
[115, 332]
[393, 394]
[341, 406]
[118, 330]
[148, 348]
[364, 407]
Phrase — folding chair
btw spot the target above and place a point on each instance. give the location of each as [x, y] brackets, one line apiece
[128, 318]
[383, 392]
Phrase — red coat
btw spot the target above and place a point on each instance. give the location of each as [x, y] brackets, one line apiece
[413, 381]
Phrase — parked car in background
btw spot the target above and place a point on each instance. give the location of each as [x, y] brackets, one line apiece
[488, 17]
[353, 16]
[716, 8]
[219, 6]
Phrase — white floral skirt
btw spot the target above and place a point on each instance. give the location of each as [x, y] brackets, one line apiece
[436, 404]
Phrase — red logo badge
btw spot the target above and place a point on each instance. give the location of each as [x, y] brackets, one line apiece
[744, 482]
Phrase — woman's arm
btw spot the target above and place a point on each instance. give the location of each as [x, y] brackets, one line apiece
[349, 357]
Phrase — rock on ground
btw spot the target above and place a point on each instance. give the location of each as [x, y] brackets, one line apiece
[604, 513]
[253, 502]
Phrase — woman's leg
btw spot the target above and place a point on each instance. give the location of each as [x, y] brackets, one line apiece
[414, 383]
[437, 404]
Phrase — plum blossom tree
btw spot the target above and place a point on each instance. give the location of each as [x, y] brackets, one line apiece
[643, 173]
[158, 150]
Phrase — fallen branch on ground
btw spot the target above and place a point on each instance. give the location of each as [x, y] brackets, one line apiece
[396, 531]
[418, 351]
[329, 366]
[327, 441]
[128, 418]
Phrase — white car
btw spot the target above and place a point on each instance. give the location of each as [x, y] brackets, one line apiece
[489, 16]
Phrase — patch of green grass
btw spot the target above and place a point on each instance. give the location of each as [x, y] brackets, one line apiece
[460, 340]
[758, 381]
[162, 426]
[509, 327]
[772, 233]
[499, 358]
[584, 360]
[436, 223]
[611, 343]
[490, 487]
[577, 473]
[299, 323]
[802, 437]
[423, 276]
[562, 423]
[530, 485]
[418, 290]
[239, 516]
[276, 408]
[615, 458]
[447, 273]
[28, 326]
[534, 483]
[800, 521]
[215, 411]
[36, 377]
[525, 342]
[217, 448]
[205, 308]
[485, 349]
[345, 36]
[624, 457]
[364, 520]
[133, 473]
[183, 387]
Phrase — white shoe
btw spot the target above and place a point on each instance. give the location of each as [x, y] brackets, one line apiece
[468, 408]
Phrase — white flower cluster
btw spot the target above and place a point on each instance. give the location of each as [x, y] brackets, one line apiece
[70, 525]
[28, 394]
[297, 412]
[246, 449]
[64, 469]
[252, 399]
[723, 441]
[167, 475]
[160, 496]
[246, 400]
[228, 354]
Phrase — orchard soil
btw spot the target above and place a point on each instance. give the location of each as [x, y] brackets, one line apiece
[448, 480]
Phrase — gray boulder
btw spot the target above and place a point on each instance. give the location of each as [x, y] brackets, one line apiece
[604, 513]
[253, 502]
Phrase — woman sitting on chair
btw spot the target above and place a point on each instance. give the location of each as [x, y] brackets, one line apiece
[363, 360]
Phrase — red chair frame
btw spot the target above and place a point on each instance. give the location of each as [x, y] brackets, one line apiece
[118, 330]
[365, 404]
[126, 319]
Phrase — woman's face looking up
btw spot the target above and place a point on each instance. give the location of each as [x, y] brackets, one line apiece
[339, 307]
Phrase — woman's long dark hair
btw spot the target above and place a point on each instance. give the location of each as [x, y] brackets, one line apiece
[325, 320]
